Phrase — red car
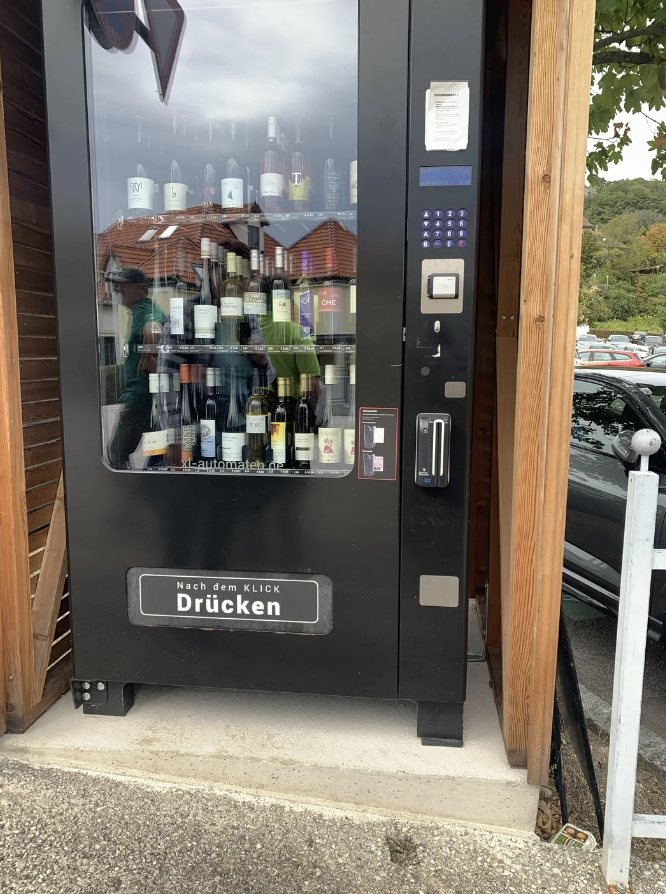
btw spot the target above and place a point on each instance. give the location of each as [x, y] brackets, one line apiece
[598, 357]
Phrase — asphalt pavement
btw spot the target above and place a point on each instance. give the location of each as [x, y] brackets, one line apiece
[593, 637]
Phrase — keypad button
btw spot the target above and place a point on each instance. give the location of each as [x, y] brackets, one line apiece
[449, 243]
[450, 234]
[449, 222]
[461, 243]
[462, 234]
[426, 213]
[439, 212]
[450, 212]
[462, 222]
[425, 243]
[425, 234]
[462, 212]
[438, 234]
[437, 243]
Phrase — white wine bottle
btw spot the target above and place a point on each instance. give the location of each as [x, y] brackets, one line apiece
[231, 303]
[175, 192]
[329, 436]
[257, 421]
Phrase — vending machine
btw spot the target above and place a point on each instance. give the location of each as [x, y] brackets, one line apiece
[265, 218]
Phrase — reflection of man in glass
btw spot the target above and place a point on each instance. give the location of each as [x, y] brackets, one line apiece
[144, 328]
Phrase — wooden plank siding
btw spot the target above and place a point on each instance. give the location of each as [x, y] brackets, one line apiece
[24, 139]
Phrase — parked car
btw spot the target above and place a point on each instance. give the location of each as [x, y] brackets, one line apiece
[638, 336]
[653, 341]
[656, 361]
[588, 337]
[608, 407]
[599, 357]
[617, 340]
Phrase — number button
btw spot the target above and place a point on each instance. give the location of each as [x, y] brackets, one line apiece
[462, 212]
[439, 212]
[462, 234]
[450, 222]
[449, 243]
[450, 234]
[462, 222]
[450, 212]
[438, 234]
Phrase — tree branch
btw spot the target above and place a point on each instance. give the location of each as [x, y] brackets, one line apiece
[623, 57]
[650, 31]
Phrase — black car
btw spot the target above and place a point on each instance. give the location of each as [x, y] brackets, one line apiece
[608, 406]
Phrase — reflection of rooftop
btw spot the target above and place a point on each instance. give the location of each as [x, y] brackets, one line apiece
[168, 246]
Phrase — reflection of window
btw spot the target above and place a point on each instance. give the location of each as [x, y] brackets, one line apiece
[599, 413]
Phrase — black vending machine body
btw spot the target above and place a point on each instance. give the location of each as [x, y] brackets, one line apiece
[217, 373]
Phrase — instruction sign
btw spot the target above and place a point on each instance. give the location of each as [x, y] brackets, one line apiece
[447, 116]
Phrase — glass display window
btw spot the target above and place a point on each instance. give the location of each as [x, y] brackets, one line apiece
[224, 208]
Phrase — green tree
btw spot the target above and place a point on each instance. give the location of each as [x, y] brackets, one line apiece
[656, 237]
[609, 199]
[629, 68]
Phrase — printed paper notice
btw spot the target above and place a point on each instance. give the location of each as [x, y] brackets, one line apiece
[447, 116]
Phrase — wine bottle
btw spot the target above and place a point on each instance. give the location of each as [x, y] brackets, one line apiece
[300, 181]
[205, 311]
[304, 435]
[271, 179]
[155, 441]
[232, 186]
[280, 299]
[281, 438]
[304, 297]
[257, 420]
[332, 174]
[254, 301]
[233, 423]
[353, 192]
[249, 169]
[177, 311]
[188, 419]
[330, 302]
[175, 191]
[140, 188]
[208, 418]
[329, 435]
[349, 432]
[231, 303]
[209, 188]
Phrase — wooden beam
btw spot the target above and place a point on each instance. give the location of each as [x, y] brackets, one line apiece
[565, 312]
[56, 684]
[15, 620]
[49, 590]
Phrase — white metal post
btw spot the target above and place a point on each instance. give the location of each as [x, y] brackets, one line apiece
[629, 668]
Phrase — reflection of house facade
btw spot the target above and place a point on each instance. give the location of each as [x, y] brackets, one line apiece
[167, 247]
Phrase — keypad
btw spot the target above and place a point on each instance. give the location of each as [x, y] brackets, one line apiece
[444, 228]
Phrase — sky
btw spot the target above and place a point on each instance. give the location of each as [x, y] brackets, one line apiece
[636, 157]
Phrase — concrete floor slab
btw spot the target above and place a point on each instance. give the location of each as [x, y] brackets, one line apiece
[359, 752]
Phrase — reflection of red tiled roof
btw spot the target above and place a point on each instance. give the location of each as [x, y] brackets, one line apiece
[329, 234]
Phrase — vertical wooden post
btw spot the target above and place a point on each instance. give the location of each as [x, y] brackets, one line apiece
[562, 34]
[15, 619]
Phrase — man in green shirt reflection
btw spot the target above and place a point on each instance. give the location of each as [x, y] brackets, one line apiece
[146, 322]
[292, 366]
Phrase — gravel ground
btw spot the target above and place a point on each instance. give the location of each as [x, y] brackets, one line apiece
[66, 831]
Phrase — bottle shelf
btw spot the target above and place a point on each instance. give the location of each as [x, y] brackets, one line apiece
[216, 469]
[256, 219]
[247, 349]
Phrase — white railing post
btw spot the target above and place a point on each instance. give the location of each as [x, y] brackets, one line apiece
[637, 564]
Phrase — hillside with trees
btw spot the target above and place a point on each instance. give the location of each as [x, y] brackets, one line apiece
[623, 261]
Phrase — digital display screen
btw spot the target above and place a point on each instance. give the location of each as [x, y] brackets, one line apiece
[446, 175]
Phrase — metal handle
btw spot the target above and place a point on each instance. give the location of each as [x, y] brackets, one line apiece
[432, 449]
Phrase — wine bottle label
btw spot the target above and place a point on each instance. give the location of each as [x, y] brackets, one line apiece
[207, 435]
[352, 298]
[352, 373]
[330, 445]
[305, 309]
[271, 184]
[232, 446]
[154, 443]
[205, 318]
[281, 299]
[330, 374]
[231, 306]
[177, 315]
[279, 442]
[350, 446]
[232, 192]
[332, 192]
[299, 188]
[188, 439]
[304, 444]
[256, 425]
[175, 196]
[255, 303]
[140, 191]
[352, 183]
[330, 299]
[164, 383]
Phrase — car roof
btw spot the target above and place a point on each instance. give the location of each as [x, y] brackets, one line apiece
[605, 350]
[644, 376]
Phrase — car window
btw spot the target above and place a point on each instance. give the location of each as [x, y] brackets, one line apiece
[602, 356]
[599, 413]
[618, 356]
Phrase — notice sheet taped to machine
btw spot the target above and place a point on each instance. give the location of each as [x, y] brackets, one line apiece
[378, 454]
[447, 116]
[271, 603]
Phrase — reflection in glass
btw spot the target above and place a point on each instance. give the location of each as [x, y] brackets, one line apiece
[226, 243]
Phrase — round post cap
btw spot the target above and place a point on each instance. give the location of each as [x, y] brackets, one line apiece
[646, 442]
